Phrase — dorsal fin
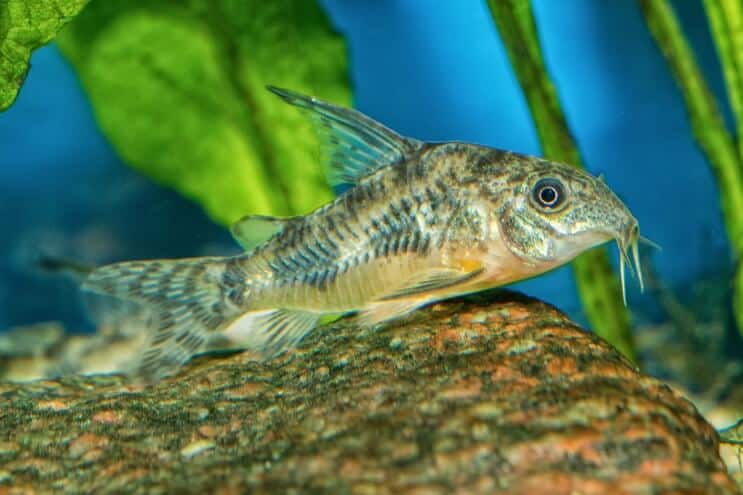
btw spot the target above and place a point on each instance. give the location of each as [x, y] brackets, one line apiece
[352, 144]
[253, 230]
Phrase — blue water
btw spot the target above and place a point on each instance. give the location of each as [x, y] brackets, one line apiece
[432, 73]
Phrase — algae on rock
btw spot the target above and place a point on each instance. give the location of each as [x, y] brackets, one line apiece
[178, 87]
[596, 282]
[26, 25]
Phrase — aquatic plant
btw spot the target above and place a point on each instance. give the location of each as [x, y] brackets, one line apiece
[725, 156]
[733, 436]
[25, 25]
[597, 285]
[179, 90]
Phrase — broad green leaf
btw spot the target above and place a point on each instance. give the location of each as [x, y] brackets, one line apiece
[179, 89]
[25, 25]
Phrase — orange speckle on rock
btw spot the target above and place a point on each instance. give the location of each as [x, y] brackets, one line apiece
[546, 482]
[235, 425]
[135, 474]
[467, 388]
[207, 431]
[479, 317]
[133, 387]
[448, 336]
[561, 366]
[351, 468]
[107, 416]
[53, 405]
[245, 391]
[92, 455]
[657, 468]
[112, 469]
[86, 442]
[519, 327]
[517, 313]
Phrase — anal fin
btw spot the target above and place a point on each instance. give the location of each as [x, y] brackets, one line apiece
[432, 280]
[418, 290]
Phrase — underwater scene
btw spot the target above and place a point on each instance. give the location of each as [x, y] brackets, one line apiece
[371, 246]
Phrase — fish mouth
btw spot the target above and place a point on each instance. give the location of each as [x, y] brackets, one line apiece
[629, 255]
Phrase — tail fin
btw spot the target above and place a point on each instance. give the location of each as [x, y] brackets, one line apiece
[190, 299]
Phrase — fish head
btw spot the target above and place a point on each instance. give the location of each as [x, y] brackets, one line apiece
[554, 212]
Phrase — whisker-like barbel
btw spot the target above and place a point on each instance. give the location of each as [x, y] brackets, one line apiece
[638, 267]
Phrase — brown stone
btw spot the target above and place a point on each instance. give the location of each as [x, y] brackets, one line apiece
[493, 394]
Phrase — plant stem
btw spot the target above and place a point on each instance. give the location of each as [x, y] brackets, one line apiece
[706, 121]
[726, 23]
[597, 285]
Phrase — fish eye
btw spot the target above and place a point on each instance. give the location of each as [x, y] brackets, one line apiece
[549, 193]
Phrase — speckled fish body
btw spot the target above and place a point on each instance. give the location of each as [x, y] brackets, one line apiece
[421, 222]
[433, 213]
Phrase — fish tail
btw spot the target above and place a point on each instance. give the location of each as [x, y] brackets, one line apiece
[190, 300]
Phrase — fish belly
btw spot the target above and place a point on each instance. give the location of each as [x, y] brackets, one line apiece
[350, 290]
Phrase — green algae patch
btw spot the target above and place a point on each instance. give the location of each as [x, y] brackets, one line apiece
[179, 90]
[26, 25]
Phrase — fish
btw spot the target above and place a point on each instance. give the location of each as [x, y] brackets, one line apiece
[419, 222]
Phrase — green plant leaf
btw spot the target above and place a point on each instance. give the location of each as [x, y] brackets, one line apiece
[25, 25]
[179, 89]
[706, 120]
[733, 434]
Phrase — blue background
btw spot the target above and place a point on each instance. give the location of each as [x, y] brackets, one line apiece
[431, 73]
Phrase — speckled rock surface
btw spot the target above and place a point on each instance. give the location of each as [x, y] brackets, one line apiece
[496, 394]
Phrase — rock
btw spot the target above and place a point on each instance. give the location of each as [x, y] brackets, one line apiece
[30, 340]
[493, 394]
[45, 351]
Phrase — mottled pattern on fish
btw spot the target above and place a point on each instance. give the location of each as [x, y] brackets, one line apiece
[422, 222]
[408, 216]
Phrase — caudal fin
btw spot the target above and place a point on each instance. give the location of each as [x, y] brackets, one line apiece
[190, 299]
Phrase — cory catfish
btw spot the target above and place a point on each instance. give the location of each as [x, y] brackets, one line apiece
[421, 222]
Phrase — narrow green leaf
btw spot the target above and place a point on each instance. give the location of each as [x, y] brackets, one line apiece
[179, 89]
[598, 287]
[732, 434]
[25, 25]
[706, 121]
[726, 21]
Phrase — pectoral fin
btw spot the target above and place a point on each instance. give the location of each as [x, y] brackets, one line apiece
[415, 292]
[379, 312]
[432, 280]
